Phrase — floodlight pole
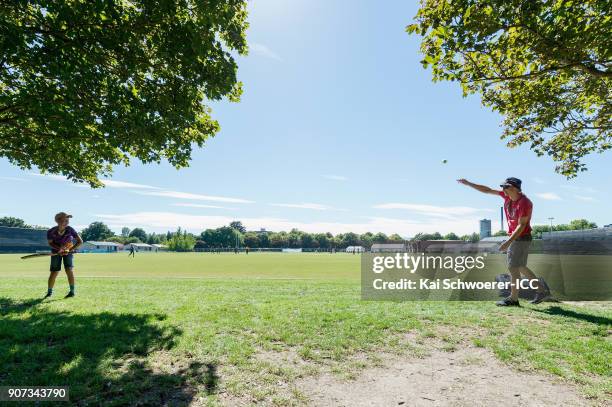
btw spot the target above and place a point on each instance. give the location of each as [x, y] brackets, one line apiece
[551, 219]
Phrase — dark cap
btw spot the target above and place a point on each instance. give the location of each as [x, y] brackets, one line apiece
[512, 182]
[61, 215]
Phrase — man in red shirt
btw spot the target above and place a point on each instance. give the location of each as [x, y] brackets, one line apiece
[518, 210]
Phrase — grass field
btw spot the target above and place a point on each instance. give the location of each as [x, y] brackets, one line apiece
[180, 328]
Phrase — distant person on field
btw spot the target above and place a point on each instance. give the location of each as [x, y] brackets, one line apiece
[64, 241]
[518, 209]
[132, 251]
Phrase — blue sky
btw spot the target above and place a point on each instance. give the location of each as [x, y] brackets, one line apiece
[339, 129]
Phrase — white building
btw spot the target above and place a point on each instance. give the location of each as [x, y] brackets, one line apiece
[100, 247]
[140, 247]
[355, 249]
[388, 247]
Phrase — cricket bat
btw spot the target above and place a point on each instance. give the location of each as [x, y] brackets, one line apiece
[68, 246]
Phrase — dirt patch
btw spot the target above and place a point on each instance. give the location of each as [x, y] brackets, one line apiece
[468, 376]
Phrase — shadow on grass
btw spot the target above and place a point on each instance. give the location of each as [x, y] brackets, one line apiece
[7, 305]
[105, 358]
[594, 319]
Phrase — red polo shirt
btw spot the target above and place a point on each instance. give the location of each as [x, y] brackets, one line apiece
[515, 210]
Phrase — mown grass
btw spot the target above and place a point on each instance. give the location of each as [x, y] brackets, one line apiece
[175, 329]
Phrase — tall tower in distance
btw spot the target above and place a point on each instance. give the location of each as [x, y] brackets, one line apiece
[485, 228]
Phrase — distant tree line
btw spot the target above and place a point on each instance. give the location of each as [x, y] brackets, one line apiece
[474, 237]
[236, 234]
[228, 236]
[12, 222]
[576, 224]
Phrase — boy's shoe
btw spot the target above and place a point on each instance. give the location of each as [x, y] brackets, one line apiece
[508, 302]
[540, 296]
[47, 295]
[69, 295]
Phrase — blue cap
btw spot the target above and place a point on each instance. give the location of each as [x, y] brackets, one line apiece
[512, 181]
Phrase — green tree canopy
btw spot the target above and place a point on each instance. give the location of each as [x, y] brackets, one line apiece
[427, 236]
[322, 239]
[578, 224]
[181, 242]
[12, 222]
[96, 231]
[139, 233]
[88, 85]
[264, 240]
[395, 238]
[473, 238]
[350, 239]
[238, 226]
[154, 238]
[451, 236]
[224, 236]
[251, 239]
[544, 65]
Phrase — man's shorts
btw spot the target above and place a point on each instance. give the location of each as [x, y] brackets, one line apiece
[518, 252]
[56, 263]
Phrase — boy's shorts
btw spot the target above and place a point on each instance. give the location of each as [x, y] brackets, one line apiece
[518, 252]
[56, 263]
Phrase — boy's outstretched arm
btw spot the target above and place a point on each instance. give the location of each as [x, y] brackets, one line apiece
[482, 188]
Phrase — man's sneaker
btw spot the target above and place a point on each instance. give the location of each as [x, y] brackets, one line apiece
[508, 302]
[47, 295]
[540, 296]
[69, 295]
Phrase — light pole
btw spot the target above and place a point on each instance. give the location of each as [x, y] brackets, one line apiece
[551, 219]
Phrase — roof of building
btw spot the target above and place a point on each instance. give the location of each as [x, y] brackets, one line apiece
[494, 239]
[388, 245]
[160, 246]
[102, 243]
[139, 244]
[581, 234]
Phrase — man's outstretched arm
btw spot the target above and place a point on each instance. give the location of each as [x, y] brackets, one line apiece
[482, 188]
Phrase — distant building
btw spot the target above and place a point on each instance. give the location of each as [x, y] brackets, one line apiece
[355, 249]
[140, 247]
[584, 242]
[100, 247]
[160, 247]
[439, 246]
[485, 228]
[495, 239]
[388, 247]
[455, 246]
[22, 240]
[604, 233]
